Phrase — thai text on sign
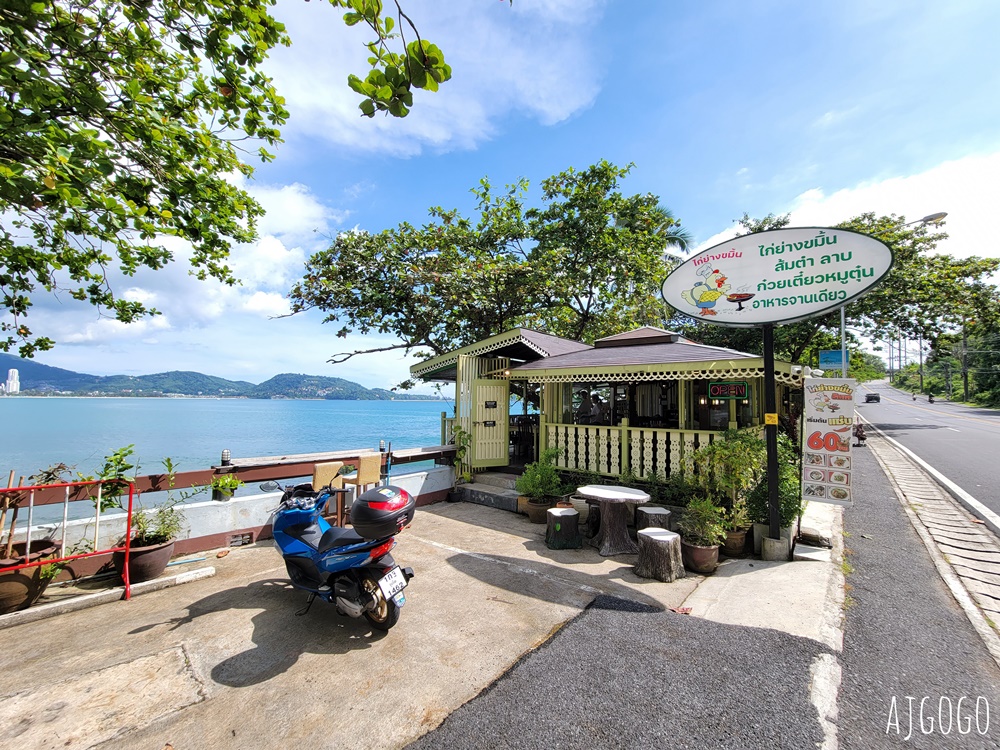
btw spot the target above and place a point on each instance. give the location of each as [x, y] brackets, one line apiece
[826, 440]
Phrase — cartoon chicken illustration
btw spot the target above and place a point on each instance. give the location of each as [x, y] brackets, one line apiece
[705, 293]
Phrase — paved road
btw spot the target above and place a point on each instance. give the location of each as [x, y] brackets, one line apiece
[959, 441]
[905, 636]
[622, 676]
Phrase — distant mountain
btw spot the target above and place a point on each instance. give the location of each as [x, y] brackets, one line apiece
[314, 386]
[37, 378]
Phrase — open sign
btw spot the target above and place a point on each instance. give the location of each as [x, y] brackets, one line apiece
[737, 389]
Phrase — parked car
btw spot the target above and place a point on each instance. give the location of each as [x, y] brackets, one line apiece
[873, 398]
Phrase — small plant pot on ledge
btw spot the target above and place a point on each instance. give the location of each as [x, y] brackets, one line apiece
[19, 589]
[735, 544]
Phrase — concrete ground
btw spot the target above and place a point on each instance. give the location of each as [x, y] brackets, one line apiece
[223, 661]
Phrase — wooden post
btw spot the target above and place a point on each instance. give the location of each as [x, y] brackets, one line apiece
[626, 439]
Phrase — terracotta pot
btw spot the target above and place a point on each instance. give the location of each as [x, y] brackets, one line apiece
[145, 563]
[19, 589]
[699, 559]
[735, 543]
[537, 510]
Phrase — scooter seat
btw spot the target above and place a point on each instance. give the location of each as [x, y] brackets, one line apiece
[338, 536]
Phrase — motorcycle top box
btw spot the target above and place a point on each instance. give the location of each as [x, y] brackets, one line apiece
[382, 512]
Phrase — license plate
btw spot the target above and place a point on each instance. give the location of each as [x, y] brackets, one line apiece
[392, 583]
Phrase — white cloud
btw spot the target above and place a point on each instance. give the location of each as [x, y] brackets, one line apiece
[538, 59]
[835, 117]
[267, 303]
[964, 188]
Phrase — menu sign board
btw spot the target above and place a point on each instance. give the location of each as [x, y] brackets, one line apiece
[827, 471]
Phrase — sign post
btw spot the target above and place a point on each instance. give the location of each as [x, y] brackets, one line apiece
[779, 276]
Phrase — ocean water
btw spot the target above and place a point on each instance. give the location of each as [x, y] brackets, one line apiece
[38, 432]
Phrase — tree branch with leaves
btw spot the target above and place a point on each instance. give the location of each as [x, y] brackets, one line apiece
[121, 124]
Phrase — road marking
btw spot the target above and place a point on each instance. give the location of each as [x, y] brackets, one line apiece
[952, 429]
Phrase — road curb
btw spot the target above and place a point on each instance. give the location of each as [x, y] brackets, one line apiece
[987, 516]
[44, 611]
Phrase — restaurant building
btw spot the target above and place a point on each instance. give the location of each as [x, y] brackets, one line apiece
[639, 402]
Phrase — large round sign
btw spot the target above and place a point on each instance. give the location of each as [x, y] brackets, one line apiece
[779, 276]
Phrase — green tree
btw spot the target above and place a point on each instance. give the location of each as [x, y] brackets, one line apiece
[437, 287]
[587, 264]
[599, 255]
[120, 122]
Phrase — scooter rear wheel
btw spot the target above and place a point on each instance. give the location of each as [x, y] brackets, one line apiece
[386, 613]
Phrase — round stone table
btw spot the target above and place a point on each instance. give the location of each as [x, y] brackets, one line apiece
[613, 538]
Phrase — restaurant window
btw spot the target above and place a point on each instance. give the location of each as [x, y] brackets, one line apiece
[657, 404]
[590, 403]
[708, 413]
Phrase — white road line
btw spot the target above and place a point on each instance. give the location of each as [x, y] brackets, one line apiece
[952, 429]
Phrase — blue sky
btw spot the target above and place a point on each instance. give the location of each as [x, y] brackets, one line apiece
[822, 109]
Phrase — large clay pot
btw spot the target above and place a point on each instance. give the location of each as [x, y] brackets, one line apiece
[537, 510]
[145, 563]
[699, 559]
[19, 589]
[735, 543]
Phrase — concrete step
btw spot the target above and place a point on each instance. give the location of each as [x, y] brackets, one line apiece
[497, 479]
[815, 554]
[486, 494]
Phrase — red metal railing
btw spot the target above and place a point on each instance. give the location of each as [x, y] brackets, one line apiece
[76, 489]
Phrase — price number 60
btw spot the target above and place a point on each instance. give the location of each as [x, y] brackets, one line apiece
[819, 441]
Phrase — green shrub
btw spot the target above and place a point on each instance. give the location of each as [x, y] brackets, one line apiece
[540, 478]
[790, 503]
[702, 523]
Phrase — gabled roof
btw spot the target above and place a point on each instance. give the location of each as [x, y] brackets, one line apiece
[518, 344]
[643, 335]
[637, 352]
[648, 353]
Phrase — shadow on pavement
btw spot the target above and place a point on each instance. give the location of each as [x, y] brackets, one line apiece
[542, 581]
[279, 636]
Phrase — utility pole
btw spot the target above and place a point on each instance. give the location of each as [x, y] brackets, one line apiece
[965, 366]
[920, 344]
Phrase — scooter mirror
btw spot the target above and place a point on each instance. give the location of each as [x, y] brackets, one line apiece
[270, 486]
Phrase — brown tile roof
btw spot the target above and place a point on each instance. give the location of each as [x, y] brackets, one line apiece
[682, 351]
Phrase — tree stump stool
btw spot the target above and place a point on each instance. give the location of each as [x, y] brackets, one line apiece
[651, 516]
[659, 555]
[563, 528]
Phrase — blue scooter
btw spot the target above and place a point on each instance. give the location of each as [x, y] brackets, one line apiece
[349, 567]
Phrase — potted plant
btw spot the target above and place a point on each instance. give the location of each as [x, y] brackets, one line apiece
[224, 486]
[790, 502]
[153, 533]
[19, 589]
[736, 523]
[702, 532]
[540, 484]
[462, 439]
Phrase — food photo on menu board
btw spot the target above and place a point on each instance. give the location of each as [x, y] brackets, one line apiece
[826, 439]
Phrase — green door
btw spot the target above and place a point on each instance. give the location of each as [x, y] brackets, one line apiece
[490, 423]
